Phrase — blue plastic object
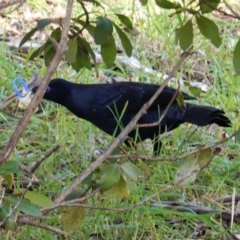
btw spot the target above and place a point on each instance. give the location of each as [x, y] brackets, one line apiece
[24, 85]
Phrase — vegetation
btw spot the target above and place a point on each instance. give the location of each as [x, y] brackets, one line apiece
[184, 193]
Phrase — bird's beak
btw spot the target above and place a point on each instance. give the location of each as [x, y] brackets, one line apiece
[36, 88]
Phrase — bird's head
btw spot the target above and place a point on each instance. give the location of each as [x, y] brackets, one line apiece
[57, 90]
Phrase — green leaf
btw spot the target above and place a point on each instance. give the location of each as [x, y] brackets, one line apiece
[167, 4]
[38, 51]
[180, 100]
[125, 20]
[4, 211]
[103, 31]
[177, 31]
[186, 35]
[90, 28]
[72, 218]
[84, 44]
[9, 167]
[9, 179]
[49, 50]
[9, 224]
[121, 189]
[44, 22]
[110, 176]
[192, 165]
[49, 54]
[208, 6]
[36, 198]
[124, 40]
[195, 91]
[76, 193]
[236, 57]
[25, 206]
[28, 36]
[209, 30]
[143, 2]
[72, 50]
[131, 170]
[82, 60]
[109, 52]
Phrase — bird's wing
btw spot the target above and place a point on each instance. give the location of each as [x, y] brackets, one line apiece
[130, 97]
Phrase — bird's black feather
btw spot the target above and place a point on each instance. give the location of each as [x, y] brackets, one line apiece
[112, 106]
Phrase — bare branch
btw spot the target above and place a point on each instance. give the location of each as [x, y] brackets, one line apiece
[30, 222]
[39, 94]
[123, 133]
[43, 157]
[17, 204]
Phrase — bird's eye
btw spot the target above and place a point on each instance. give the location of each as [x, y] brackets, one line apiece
[48, 89]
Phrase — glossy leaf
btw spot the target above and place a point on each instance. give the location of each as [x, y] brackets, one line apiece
[9, 224]
[209, 30]
[103, 31]
[9, 179]
[124, 40]
[196, 92]
[9, 167]
[72, 218]
[49, 50]
[109, 52]
[131, 170]
[121, 189]
[36, 198]
[180, 100]
[167, 4]
[208, 6]
[110, 176]
[82, 60]
[236, 57]
[125, 21]
[186, 35]
[72, 50]
[28, 36]
[44, 22]
[90, 28]
[191, 166]
[49, 54]
[76, 193]
[38, 51]
[25, 206]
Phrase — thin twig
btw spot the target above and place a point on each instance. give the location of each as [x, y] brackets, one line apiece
[43, 157]
[75, 201]
[30, 222]
[17, 204]
[140, 203]
[39, 94]
[123, 133]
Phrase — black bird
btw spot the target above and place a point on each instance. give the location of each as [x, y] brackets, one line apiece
[112, 106]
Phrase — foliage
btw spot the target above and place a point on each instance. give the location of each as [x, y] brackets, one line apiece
[80, 54]
[78, 140]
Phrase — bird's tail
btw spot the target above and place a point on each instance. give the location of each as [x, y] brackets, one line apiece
[204, 115]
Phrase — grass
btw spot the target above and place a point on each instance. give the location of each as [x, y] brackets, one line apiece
[79, 139]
